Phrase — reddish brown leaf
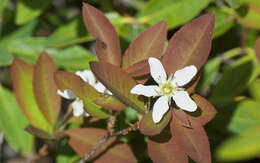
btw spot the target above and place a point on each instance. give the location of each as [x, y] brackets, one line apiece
[257, 48]
[118, 82]
[84, 140]
[107, 45]
[150, 43]
[110, 103]
[22, 77]
[166, 151]
[139, 69]
[182, 117]
[193, 141]
[148, 127]
[68, 80]
[190, 45]
[208, 111]
[45, 89]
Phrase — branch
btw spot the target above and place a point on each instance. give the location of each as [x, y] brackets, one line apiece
[105, 138]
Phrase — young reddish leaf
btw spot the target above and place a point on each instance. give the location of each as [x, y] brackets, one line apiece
[150, 43]
[190, 45]
[193, 84]
[68, 80]
[107, 45]
[45, 89]
[38, 132]
[138, 69]
[257, 49]
[118, 82]
[22, 74]
[208, 111]
[166, 151]
[110, 102]
[148, 127]
[193, 141]
[182, 117]
[84, 140]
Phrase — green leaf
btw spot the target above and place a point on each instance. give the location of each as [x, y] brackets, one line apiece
[251, 19]
[22, 78]
[246, 115]
[28, 10]
[3, 4]
[254, 89]
[13, 122]
[223, 21]
[174, 12]
[244, 146]
[6, 42]
[209, 74]
[235, 78]
[45, 89]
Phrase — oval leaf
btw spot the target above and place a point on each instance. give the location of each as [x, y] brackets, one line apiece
[84, 140]
[208, 111]
[190, 45]
[118, 82]
[45, 89]
[193, 141]
[107, 45]
[166, 152]
[68, 80]
[150, 43]
[22, 74]
[148, 127]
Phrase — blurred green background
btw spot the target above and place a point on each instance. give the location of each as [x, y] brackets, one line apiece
[230, 77]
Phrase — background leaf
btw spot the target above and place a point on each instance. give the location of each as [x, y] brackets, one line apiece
[45, 89]
[28, 10]
[13, 122]
[175, 12]
[22, 78]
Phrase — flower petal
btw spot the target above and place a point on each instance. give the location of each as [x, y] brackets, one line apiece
[78, 108]
[160, 107]
[183, 100]
[148, 91]
[157, 71]
[87, 76]
[68, 94]
[100, 87]
[184, 76]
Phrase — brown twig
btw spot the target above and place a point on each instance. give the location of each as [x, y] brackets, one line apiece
[105, 138]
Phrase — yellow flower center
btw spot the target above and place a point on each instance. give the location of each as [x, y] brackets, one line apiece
[167, 89]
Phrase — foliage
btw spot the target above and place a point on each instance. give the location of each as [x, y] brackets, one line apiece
[45, 45]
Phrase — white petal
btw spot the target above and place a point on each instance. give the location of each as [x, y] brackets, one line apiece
[160, 107]
[183, 100]
[157, 71]
[78, 108]
[87, 76]
[184, 76]
[148, 91]
[68, 94]
[100, 87]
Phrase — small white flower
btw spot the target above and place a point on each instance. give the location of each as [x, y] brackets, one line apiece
[77, 105]
[167, 89]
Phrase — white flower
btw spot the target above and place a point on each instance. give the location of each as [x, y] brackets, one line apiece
[167, 89]
[77, 105]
